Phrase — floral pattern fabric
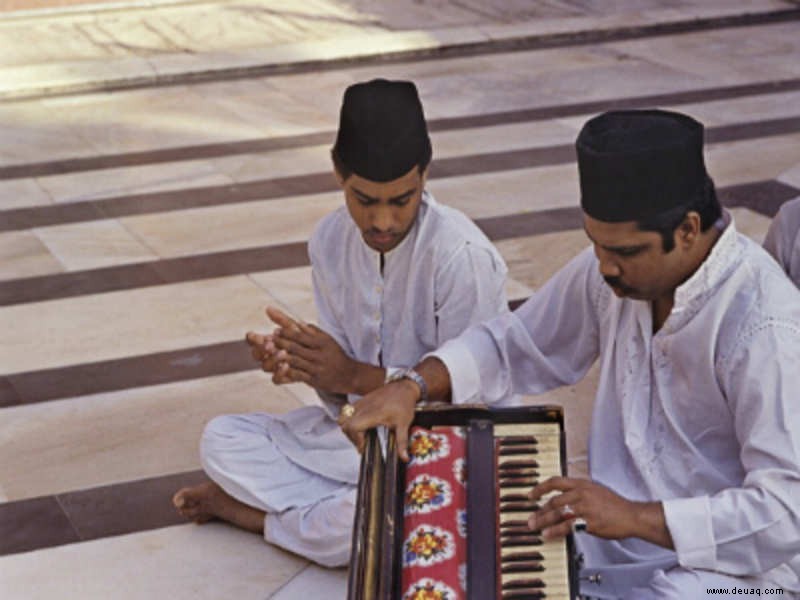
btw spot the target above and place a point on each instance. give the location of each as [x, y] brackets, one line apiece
[434, 523]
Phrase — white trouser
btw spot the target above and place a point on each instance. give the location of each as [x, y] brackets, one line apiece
[307, 513]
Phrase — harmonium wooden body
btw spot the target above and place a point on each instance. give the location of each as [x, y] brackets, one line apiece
[451, 524]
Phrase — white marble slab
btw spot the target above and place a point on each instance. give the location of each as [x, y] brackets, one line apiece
[232, 226]
[77, 443]
[18, 193]
[752, 160]
[22, 254]
[293, 290]
[751, 224]
[185, 562]
[128, 323]
[791, 176]
[139, 179]
[314, 582]
[93, 244]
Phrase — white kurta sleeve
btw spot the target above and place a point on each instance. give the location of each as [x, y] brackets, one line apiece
[469, 289]
[549, 341]
[783, 239]
[328, 322]
[753, 528]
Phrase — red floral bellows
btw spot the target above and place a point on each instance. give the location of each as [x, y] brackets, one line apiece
[435, 516]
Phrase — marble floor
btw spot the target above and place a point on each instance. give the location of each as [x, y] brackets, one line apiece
[143, 232]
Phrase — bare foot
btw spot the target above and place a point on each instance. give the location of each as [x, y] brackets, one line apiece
[195, 502]
[207, 501]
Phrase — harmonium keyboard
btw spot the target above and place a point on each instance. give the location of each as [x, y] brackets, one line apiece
[451, 524]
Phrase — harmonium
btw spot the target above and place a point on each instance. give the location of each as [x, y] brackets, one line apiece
[451, 524]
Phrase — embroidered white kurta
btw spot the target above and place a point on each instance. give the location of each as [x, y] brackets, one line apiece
[783, 239]
[299, 467]
[704, 415]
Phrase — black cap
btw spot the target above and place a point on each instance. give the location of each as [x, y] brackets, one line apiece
[637, 163]
[382, 130]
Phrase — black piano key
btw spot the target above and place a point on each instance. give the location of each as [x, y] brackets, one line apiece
[512, 482]
[520, 529]
[511, 440]
[513, 523]
[522, 567]
[526, 585]
[521, 540]
[522, 557]
[517, 464]
[517, 473]
[517, 449]
[523, 583]
[514, 498]
[507, 507]
[505, 469]
[514, 535]
[523, 595]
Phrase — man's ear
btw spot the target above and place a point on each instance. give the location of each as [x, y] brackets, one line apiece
[689, 230]
[423, 177]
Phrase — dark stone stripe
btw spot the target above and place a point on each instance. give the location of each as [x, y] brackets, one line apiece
[150, 203]
[755, 129]
[132, 372]
[79, 283]
[36, 523]
[149, 157]
[452, 51]
[597, 106]
[231, 357]
[172, 270]
[127, 507]
[8, 395]
[763, 197]
[531, 223]
[94, 513]
[283, 187]
[26, 218]
[196, 152]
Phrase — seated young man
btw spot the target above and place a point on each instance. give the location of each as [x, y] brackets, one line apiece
[783, 239]
[395, 275]
[694, 449]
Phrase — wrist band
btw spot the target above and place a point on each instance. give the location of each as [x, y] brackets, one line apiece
[416, 378]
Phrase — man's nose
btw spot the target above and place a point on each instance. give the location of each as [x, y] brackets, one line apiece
[608, 267]
[382, 219]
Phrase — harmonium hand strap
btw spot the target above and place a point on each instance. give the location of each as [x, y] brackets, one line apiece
[452, 523]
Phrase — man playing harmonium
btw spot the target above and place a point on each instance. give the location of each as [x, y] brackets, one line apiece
[694, 450]
[395, 275]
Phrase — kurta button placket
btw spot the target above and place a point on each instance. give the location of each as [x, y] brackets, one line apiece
[378, 315]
